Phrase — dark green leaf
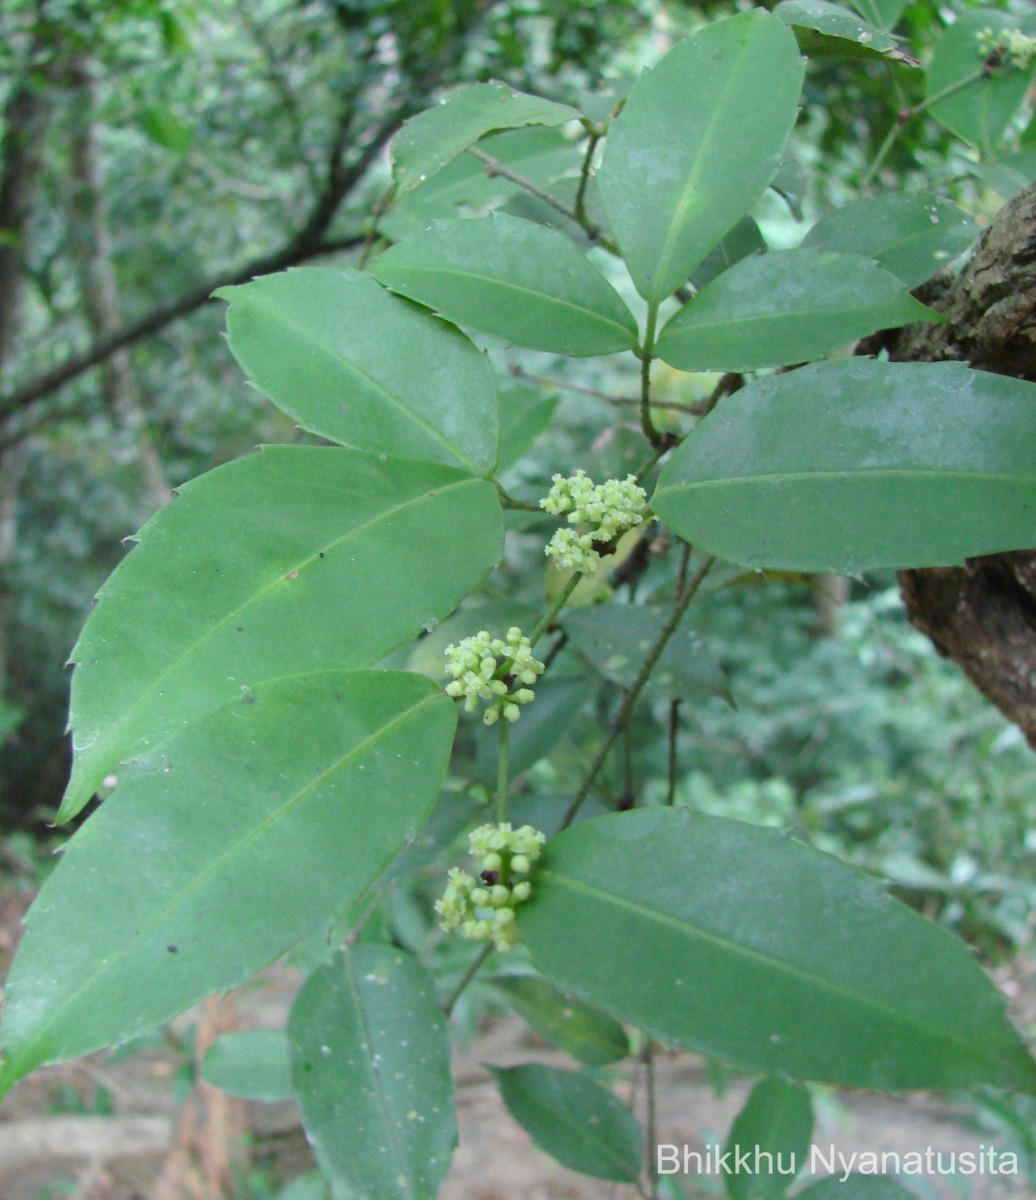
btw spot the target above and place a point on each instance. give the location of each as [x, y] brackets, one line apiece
[252, 1064]
[833, 20]
[166, 129]
[573, 1119]
[541, 727]
[293, 559]
[249, 830]
[851, 465]
[777, 1120]
[577, 1028]
[910, 234]
[371, 1066]
[791, 306]
[314, 341]
[524, 414]
[856, 1187]
[514, 279]
[1010, 174]
[430, 140]
[744, 239]
[743, 944]
[616, 638]
[978, 111]
[700, 137]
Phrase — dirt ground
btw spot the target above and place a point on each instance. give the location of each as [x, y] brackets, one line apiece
[148, 1148]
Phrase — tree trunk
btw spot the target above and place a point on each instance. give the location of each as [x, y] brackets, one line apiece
[983, 615]
[90, 242]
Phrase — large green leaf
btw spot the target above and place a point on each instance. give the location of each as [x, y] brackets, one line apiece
[851, 465]
[700, 137]
[792, 306]
[912, 234]
[833, 20]
[253, 1064]
[293, 559]
[371, 1065]
[777, 1120]
[573, 1119]
[979, 111]
[540, 155]
[856, 1187]
[512, 278]
[430, 140]
[744, 944]
[353, 363]
[249, 830]
[579, 1029]
[525, 413]
[744, 239]
[883, 13]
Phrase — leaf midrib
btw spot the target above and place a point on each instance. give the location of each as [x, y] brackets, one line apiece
[818, 983]
[692, 326]
[786, 477]
[246, 839]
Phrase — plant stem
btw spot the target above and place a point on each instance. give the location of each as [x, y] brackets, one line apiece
[651, 1125]
[630, 699]
[469, 975]
[547, 619]
[584, 177]
[695, 408]
[674, 728]
[646, 354]
[501, 770]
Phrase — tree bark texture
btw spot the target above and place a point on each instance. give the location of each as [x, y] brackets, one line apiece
[983, 615]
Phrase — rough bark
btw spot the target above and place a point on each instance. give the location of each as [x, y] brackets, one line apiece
[983, 615]
[90, 242]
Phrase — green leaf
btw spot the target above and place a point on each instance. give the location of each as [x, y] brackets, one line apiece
[573, 1119]
[585, 1032]
[883, 13]
[166, 129]
[496, 616]
[314, 341]
[777, 1120]
[700, 137]
[851, 465]
[517, 280]
[741, 943]
[430, 140]
[293, 559]
[370, 1061]
[524, 414]
[833, 20]
[615, 639]
[744, 239]
[252, 1064]
[543, 724]
[979, 111]
[540, 155]
[856, 1187]
[1008, 175]
[910, 234]
[249, 830]
[787, 307]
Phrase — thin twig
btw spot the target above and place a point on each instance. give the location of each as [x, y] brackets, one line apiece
[630, 699]
[647, 351]
[547, 619]
[696, 408]
[651, 1125]
[584, 177]
[468, 976]
[501, 771]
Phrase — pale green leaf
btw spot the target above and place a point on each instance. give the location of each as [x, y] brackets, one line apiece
[741, 943]
[430, 140]
[912, 234]
[851, 465]
[524, 414]
[293, 559]
[517, 280]
[699, 138]
[776, 1120]
[883, 13]
[573, 1119]
[744, 239]
[246, 832]
[856, 1187]
[579, 1029]
[370, 1061]
[314, 341]
[787, 307]
[833, 20]
[253, 1065]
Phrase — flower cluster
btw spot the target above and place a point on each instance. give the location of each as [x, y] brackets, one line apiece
[1017, 47]
[604, 510]
[483, 908]
[499, 670]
